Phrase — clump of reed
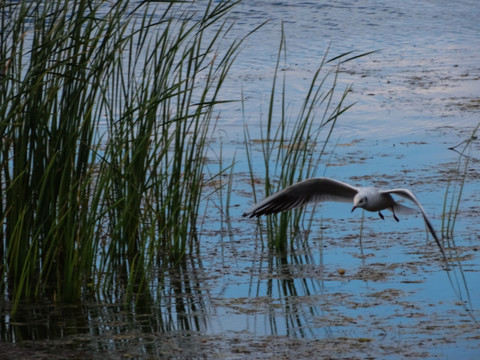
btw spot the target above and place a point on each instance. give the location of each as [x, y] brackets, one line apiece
[293, 148]
[105, 112]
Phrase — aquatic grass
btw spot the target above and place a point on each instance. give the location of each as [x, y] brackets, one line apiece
[159, 159]
[105, 115]
[454, 190]
[223, 188]
[292, 149]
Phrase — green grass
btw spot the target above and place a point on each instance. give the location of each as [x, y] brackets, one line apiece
[104, 117]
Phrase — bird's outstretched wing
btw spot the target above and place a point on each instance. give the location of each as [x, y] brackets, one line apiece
[302, 193]
[407, 194]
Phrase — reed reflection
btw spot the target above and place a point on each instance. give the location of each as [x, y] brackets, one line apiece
[293, 283]
[154, 316]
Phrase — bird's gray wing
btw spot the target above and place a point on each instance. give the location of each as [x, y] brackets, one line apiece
[407, 194]
[302, 193]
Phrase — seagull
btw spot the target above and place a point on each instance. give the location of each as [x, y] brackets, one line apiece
[326, 189]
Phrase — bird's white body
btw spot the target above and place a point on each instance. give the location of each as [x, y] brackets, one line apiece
[376, 200]
[326, 189]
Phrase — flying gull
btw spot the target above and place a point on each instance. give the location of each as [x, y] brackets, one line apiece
[326, 189]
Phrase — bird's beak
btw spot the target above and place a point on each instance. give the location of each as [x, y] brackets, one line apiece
[353, 208]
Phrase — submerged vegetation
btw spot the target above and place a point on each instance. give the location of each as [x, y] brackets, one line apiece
[105, 113]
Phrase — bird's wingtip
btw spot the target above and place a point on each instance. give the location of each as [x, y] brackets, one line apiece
[248, 214]
[251, 214]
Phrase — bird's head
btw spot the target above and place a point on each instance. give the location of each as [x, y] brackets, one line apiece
[359, 201]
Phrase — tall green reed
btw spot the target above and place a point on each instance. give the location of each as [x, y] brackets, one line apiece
[292, 149]
[105, 114]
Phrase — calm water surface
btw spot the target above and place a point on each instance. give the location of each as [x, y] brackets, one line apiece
[415, 97]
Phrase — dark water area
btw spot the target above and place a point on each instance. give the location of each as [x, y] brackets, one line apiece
[389, 296]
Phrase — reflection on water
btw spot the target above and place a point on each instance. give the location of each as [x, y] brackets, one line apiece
[285, 285]
[246, 292]
[180, 306]
[290, 294]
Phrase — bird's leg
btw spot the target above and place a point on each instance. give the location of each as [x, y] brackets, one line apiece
[381, 215]
[395, 216]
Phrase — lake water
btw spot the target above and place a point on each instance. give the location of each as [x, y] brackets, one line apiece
[415, 97]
